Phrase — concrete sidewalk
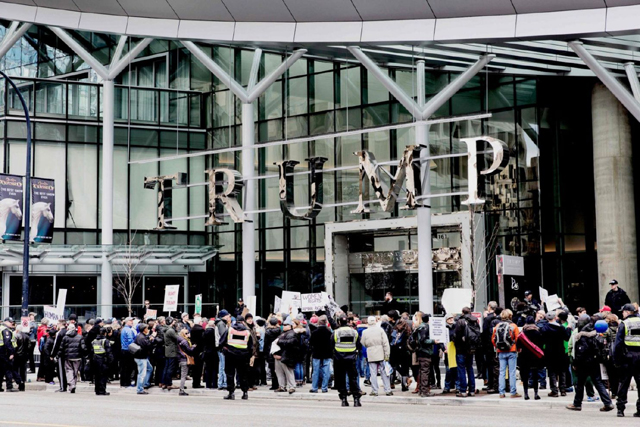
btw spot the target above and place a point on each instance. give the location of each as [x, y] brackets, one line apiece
[399, 397]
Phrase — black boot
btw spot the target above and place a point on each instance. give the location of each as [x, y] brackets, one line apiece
[21, 386]
[620, 413]
[356, 401]
[245, 396]
[230, 396]
[344, 401]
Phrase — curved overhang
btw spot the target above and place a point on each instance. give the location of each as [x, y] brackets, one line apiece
[301, 22]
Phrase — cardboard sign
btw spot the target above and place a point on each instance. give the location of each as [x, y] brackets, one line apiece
[291, 302]
[151, 314]
[544, 294]
[455, 299]
[171, 298]
[438, 330]
[277, 303]
[313, 302]
[552, 302]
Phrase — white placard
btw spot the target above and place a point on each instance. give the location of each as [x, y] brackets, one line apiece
[277, 303]
[51, 313]
[171, 293]
[313, 302]
[455, 299]
[544, 294]
[552, 302]
[290, 302]
[62, 300]
[438, 330]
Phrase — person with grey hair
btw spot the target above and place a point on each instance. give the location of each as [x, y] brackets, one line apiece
[375, 340]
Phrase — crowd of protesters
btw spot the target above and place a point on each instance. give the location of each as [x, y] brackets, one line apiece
[337, 349]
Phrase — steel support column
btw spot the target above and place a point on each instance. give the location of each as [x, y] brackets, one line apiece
[609, 80]
[14, 33]
[422, 110]
[254, 89]
[632, 75]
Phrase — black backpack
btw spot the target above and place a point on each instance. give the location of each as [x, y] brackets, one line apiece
[585, 351]
[504, 338]
[473, 335]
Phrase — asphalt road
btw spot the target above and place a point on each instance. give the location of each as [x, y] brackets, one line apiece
[44, 409]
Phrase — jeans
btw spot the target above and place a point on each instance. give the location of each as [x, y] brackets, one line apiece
[144, 373]
[363, 367]
[299, 372]
[594, 373]
[465, 369]
[450, 376]
[222, 376]
[169, 368]
[320, 368]
[507, 360]
[374, 368]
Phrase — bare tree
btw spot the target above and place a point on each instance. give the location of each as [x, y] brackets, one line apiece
[480, 255]
[129, 274]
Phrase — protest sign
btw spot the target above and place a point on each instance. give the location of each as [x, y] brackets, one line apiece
[51, 313]
[313, 302]
[438, 330]
[455, 299]
[552, 302]
[171, 298]
[277, 303]
[290, 302]
[151, 314]
[544, 294]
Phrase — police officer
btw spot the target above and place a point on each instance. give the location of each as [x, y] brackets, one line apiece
[347, 344]
[626, 354]
[102, 359]
[8, 345]
[237, 349]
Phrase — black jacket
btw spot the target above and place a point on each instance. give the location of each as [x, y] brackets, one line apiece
[73, 345]
[290, 349]
[209, 342]
[526, 358]
[460, 333]
[387, 327]
[197, 332]
[624, 355]
[270, 335]
[616, 300]
[146, 346]
[555, 336]
[92, 335]
[387, 306]
[233, 351]
[23, 342]
[487, 330]
[58, 343]
[321, 343]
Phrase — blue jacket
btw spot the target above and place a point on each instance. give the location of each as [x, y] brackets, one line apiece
[126, 337]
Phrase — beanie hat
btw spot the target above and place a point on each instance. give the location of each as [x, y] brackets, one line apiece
[223, 313]
[273, 321]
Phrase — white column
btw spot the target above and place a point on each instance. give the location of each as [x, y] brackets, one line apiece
[425, 273]
[108, 104]
[248, 226]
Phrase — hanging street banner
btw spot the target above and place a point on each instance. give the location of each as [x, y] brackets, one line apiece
[43, 196]
[11, 194]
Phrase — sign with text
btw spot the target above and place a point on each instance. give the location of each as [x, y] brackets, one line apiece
[290, 302]
[43, 207]
[438, 330]
[11, 193]
[151, 314]
[510, 265]
[51, 313]
[455, 299]
[277, 303]
[544, 294]
[313, 302]
[552, 302]
[171, 293]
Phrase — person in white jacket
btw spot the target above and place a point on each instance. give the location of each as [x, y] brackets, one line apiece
[378, 351]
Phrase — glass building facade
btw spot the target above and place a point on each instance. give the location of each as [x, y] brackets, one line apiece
[540, 207]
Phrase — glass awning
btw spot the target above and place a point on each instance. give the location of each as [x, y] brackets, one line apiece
[12, 254]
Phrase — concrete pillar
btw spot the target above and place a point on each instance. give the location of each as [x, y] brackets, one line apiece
[106, 293]
[248, 226]
[615, 204]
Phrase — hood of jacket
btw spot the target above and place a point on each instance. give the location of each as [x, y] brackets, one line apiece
[72, 332]
[586, 334]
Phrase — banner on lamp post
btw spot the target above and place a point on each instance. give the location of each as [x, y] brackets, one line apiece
[11, 194]
[198, 308]
[43, 207]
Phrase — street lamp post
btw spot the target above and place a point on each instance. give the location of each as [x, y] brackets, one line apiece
[24, 312]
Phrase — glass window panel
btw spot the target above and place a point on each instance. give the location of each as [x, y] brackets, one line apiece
[144, 217]
[297, 96]
[376, 92]
[45, 168]
[348, 119]
[376, 115]
[223, 109]
[18, 130]
[274, 238]
[271, 102]
[323, 90]
[144, 137]
[197, 195]
[81, 238]
[82, 101]
[50, 99]
[49, 131]
[296, 126]
[78, 133]
[300, 237]
[82, 181]
[501, 92]
[321, 123]
[299, 68]
[526, 92]
[270, 131]
[179, 205]
[349, 87]
[320, 66]
[17, 157]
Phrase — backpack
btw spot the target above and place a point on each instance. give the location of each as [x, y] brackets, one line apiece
[473, 336]
[585, 352]
[504, 337]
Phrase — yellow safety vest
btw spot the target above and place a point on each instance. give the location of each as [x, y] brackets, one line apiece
[632, 331]
[345, 339]
[98, 347]
[238, 339]
[14, 338]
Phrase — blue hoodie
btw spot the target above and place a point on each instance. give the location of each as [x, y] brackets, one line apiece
[126, 337]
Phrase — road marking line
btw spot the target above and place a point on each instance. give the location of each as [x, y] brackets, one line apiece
[36, 424]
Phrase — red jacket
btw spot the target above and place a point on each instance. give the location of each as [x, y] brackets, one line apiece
[42, 330]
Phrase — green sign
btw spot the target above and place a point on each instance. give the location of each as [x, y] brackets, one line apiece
[199, 304]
